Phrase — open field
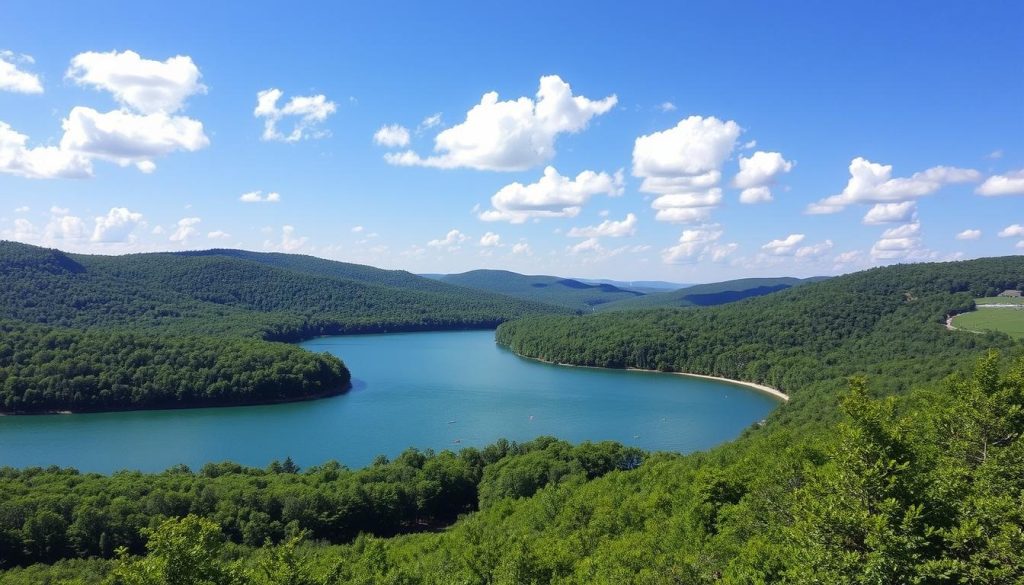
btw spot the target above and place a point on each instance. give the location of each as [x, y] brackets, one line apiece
[999, 301]
[1009, 321]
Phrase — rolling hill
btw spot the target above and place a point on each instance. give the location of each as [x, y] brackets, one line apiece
[565, 292]
[705, 295]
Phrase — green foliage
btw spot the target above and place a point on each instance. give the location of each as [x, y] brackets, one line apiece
[565, 292]
[87, 333]
[886, 323]
[50, 514]
[706, 295]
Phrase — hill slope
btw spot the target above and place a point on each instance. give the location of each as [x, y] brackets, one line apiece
[706, 295]
[565, 292]
[177, 330]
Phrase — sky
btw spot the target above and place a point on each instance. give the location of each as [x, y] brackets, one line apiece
[679, 141]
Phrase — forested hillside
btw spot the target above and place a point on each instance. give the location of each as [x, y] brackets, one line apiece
[924, 490]
[176, 330]
[887, 323]
[706, 295]
[565, 292]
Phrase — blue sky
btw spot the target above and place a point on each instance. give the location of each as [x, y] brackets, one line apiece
[136, 129]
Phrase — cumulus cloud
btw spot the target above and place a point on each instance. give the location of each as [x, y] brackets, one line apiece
[307, 111]
[588, 245]
[511, 135]
[143, 85]
[451, 240]
[357, 229]
[429, 122]
[393, 135]
[1012, 231]
[785, 246]
[551, 196]
[1012, 183]
[145, 127]
[218, 235]
[697, 244]
[124, 137]
[116, 226]
[969, 235]
[758, 173]
[898, 242]
[186, 229]
[607, 228]
[259, 197]
[683, 166]
[873, 183]
[522, 248]
[64, 226]
[12, 78]
[490, 240]
[41, 162]
[814, 250]
[891, 213]
[667, 107]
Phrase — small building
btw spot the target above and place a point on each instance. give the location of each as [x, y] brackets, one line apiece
[1010, 293]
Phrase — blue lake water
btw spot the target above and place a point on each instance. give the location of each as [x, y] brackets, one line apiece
[426, 390]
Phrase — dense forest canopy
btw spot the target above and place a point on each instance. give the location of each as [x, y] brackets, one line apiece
[197, 329]
[897, 460]
[707, 295]
[566, 292]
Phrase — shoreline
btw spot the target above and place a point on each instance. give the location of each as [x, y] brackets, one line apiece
[268, 402]
[775, 393]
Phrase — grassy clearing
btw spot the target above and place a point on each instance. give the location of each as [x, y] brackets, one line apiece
[1009, 321]
[1000, 301]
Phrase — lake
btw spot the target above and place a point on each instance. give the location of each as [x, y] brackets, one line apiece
[426, 390]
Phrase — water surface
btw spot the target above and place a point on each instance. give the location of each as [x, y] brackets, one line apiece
[428, 390]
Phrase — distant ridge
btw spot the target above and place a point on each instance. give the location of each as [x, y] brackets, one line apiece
[717, 293]
[566, 292]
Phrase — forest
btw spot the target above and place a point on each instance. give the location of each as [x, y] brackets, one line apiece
[897, 460]
[173, 330]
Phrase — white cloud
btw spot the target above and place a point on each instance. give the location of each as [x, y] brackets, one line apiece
[851, 257]
[873, 183]
[758, 173]
[522, 248]
[259, 197]
[116, 226]
[357, 229]
[145, 127]
[784, 247]
[218, 235]
[24, 231]
[551, 196]
[814, 250]
[588, 245]
[64, 226]
[969, 235]
[429, 122]
[143, 85]
[41, 162]
[511, 135]
[127, 138]
[451, 240]
[1012, 183]
[186, 229]
[899, 242]
[995, 154]
[490, 240]
[308, 111]
[22, 209]
[891, 213]
[683, 166]
[289, 241]
[393, 135]
[1012, 231]
[1020, 244]
[749, 145]
[697, 244]
[607, 228]
[14, 79]
[667, 107]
